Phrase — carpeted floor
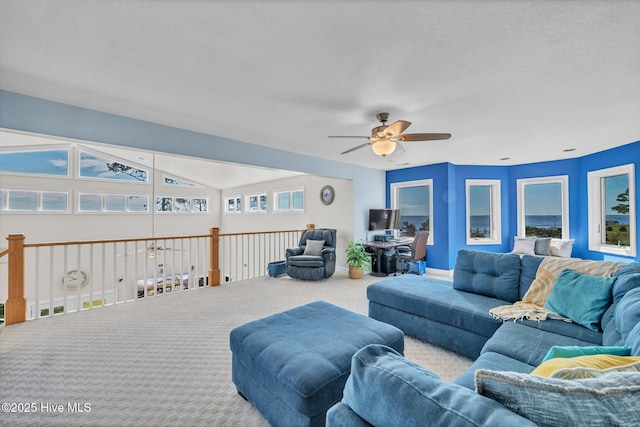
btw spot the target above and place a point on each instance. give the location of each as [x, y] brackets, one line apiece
[163, 361]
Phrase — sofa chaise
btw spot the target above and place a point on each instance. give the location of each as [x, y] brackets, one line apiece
[499, 387]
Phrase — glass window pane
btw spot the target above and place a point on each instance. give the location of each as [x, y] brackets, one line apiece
[89, 202]
[413, 203]
[298, 200]
[253, 204]
[22, 200]
[616, 208]
[199, 205]
[480, 211]
[54, 201]
[263, 202]
[238, 205]
[543, 210]
[94, 166]
[181, 205]
[138, 203]
[114, 203]
[283, 201]
[49, 162]
[164, 204]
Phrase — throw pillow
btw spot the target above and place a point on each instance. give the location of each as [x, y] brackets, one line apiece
[313, 247]
[385, 389]
[543, 246]
[609, 400]
[591, 350]
[561, 248]
[581, 297]
[524, 245]
[599, 361]
[577, 373]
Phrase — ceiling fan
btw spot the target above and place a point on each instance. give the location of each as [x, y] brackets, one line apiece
[151, 250]
[384, 139]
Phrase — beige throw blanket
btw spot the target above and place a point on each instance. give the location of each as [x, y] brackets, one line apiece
[532, 305]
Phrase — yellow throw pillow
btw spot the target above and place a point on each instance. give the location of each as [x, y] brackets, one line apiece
[599, 362]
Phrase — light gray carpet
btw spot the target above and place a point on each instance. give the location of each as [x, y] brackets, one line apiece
[164, 360]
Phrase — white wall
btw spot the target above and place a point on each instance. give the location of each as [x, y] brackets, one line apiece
[338, 215]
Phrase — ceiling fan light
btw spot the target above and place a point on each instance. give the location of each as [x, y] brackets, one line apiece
[383, 147]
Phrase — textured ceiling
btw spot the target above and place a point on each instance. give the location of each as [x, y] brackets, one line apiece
[519, 79]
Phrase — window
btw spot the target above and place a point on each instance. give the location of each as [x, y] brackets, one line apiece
[34, 201]
[95, 166]
[612, 216]
[199, 205]
[256, 203]
[39, 162]
[415, 201]
[233, 205]
[169, 180]
[289, 201]
[164, 204]
[543, 207]
[483, 212]
[112, 203]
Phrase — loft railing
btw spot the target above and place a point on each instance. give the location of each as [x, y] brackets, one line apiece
[45, 279]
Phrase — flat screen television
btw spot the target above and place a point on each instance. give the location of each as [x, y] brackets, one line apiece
[384, 219]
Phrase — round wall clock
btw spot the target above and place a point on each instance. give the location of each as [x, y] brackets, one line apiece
[75, 279]
[327, 194]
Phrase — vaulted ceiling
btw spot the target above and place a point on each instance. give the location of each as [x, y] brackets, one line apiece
[513, 82]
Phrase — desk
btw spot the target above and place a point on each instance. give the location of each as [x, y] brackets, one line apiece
[379, 246]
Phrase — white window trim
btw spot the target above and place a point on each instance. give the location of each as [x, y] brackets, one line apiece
[226, 205]
[596, 216]
[495, 206]
[103, 203]
[37, 148]
[4, 204]
[422, 182]
[258, 210]
[78, 164]
[276, 205]
[564, 181]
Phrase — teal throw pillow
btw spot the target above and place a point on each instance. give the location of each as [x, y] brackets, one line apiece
[608, 400]
[581, 297]
[576, 351]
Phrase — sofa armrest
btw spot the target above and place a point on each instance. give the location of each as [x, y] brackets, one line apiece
[293, 252]
[340, 415]
[386, 389]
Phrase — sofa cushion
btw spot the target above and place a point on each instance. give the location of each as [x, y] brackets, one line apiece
[610, 400]
[633, 340]
[528, 268]
[385, 389]
[494, 362]
[582, 298]
[491, 274]
[529, 345]
[436, 299]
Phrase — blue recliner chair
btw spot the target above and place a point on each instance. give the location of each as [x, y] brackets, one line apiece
[315, 256]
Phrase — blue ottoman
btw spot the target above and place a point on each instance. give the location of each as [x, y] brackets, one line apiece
[292, 366]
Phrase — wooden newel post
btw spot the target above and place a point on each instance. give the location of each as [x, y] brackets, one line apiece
[214, 267]
[15, 309]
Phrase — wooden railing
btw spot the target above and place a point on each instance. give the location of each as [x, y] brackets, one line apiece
[118, 274]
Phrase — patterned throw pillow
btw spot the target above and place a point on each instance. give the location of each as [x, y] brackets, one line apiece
[609, 400]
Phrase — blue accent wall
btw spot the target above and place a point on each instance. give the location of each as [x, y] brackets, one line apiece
[449, 200]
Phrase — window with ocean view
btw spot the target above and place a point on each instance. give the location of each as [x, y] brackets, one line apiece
[415, 201]
[612, 210]
[483, 212]
[543, 207]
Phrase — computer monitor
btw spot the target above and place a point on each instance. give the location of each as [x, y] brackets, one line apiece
[384, 219]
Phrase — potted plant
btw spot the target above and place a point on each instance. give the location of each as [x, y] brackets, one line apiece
[357, 259]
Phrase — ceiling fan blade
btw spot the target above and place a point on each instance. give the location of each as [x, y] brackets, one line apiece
[349, 136]
[356, 148]
[408, 137]
[396, 128]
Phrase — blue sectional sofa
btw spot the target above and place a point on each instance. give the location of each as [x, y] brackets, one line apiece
[455, 315]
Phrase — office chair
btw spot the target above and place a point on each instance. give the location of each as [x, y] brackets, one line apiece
[416, 252]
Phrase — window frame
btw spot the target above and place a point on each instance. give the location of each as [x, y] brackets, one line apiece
[495, 214]
[39, 201]
[394, 187]
[596, 207]
[103, 203]
[258, 197]
[564, 186]
[289, 209]
[41, 149]
[83, 150]
[236, 200]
